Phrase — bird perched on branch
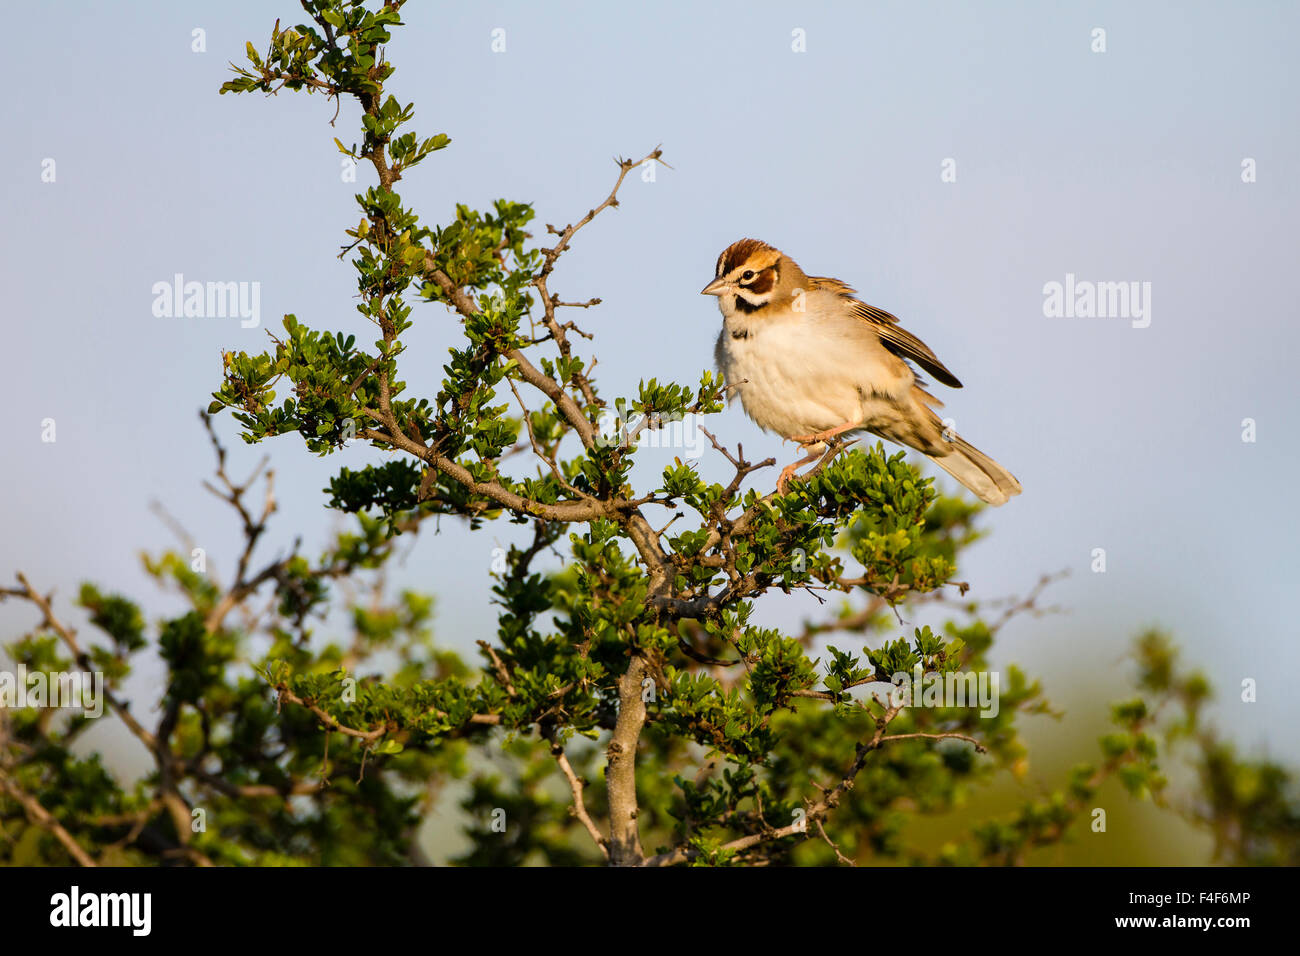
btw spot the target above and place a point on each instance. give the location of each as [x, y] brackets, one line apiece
[811, 362]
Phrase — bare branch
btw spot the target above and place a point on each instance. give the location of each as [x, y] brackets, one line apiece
[620, 773]
[579, 808]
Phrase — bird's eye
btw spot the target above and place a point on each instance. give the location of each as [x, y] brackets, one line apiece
[748, 274]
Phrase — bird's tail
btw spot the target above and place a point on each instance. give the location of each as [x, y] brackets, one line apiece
[977, 471]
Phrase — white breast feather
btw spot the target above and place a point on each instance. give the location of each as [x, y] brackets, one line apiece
[795, 381]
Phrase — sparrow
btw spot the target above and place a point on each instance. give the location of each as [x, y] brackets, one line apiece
[811, 362]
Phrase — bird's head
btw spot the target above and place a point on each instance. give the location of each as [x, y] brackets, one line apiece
[751, 276]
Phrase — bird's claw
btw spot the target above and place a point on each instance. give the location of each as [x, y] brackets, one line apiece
[783, 482]
[816, 438]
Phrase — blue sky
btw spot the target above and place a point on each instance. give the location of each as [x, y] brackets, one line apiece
[1115, 166]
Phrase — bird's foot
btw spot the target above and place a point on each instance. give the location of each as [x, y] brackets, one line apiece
[816, 438]
[783, 482]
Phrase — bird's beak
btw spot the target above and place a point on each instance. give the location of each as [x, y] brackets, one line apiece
[716, 287]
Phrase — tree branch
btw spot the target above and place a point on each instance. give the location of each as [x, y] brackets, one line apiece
[41, 817]
[620, 772]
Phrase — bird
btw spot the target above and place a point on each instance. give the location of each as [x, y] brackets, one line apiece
[811, 362]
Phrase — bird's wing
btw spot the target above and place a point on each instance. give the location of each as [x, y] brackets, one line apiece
[892, 335]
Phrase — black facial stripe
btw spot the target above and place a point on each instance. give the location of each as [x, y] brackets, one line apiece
[762, 281]
[742, 305]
